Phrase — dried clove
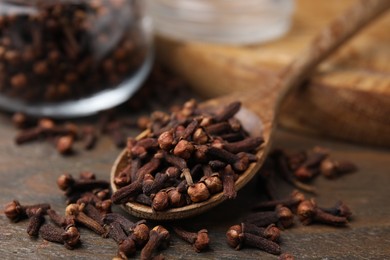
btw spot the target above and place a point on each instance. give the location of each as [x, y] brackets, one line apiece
[333, 168]
[271, 232]
[198, 192]
[140, 233]
[308, 212]
[70, 237]
[237, 238]
[67, 183]
[59, 220]
[281, 216]
[126, 245]
[158, 237]
[199, 240]
[36, 216]
[92, 212]
[160, 201]
[15, 211]
[227, 176]
[339, 209]
[291, 201]
[76, 211]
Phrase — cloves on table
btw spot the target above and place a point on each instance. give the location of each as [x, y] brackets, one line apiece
[310, 166]
[339, 209]
[331, 168]
[236, 238]
[59, 220]
[281, 164]
[291, 201]
[125, 223]
[126, 245]
[67, 183]
[281, 216]
[271, 232]
[308, 212]
[36, 216]
[158, 238]
[199, 240]
[76, 211]
[140, 233]
[16, 212]
[92, 212]
[70, 237]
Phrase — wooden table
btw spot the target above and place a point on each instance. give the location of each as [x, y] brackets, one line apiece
[29, 174]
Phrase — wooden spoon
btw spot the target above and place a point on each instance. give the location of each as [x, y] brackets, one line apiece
[260, 106]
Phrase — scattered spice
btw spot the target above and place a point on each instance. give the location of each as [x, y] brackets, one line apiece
[236, 238]
[308, 212]
[199, 240]
[281, 216]
[192, 153]
[158, 237]
[300, 167]
[70, 237]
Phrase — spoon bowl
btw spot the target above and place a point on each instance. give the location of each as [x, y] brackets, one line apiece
[252, 124]
[260, 106]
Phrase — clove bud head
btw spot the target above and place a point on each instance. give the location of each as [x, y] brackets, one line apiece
[202, 241]
[166, 140]
[306, 211]
[164, 234]
[14, 211]
[286, 217]
[183, 149]
[65, 181]
[213, 183]
[234, 237]
[198, 192]
[176, 199]
[72, 210]
[127, 247]
[71, 236]
[160, 201]
[140, 235]
[272, 233]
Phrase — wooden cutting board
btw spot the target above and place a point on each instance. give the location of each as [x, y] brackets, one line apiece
[348, 97]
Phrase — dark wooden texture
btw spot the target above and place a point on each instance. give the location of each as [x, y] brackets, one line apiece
[28, 173]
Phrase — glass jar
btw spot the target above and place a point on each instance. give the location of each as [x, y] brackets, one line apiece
[222, 21]
[67, 58]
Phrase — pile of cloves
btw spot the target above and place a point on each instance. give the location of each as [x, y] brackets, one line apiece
[89, 206]
[186, 157]
[67, 50]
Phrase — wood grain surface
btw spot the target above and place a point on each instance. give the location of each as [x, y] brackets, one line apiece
[351, 87]
[28, 173]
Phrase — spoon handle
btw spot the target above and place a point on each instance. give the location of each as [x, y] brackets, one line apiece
[328, 40]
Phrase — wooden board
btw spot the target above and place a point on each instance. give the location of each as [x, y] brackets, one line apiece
[347, 98]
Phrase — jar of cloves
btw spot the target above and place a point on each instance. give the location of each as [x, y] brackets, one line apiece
[66, 58]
